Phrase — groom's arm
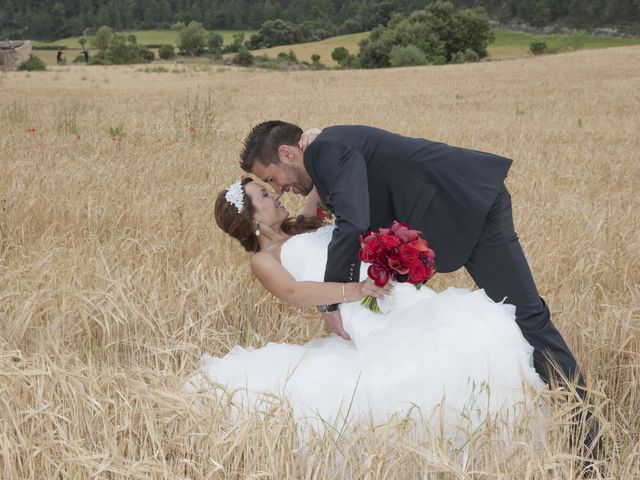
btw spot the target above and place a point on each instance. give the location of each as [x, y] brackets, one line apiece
[343, 174]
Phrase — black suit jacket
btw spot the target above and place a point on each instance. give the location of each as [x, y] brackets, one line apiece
[369, 177]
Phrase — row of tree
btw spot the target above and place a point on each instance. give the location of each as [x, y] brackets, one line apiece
[52, 19]
[436, 35]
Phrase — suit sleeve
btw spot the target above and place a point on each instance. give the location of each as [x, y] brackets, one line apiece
[342, 172]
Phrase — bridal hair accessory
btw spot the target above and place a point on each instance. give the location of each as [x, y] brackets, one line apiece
[235, 196]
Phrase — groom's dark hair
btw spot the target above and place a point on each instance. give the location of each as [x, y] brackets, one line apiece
[263, 142]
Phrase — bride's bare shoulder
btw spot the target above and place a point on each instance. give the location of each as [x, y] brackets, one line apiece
[264, 259]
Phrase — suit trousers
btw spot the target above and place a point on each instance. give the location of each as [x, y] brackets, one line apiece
[498, 265]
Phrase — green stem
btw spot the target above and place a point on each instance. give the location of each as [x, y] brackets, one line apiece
[371, 303]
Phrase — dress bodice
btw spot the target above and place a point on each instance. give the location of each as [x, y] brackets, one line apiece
[304, 256]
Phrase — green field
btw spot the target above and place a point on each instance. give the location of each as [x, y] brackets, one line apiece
[508, 44]
[323, 48]
[516, 44]
[147, 37]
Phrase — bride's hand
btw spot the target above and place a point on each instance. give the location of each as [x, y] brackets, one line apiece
[369, 288]
[307, 137]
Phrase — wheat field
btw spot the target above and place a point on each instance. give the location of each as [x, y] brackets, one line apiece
[114, 279]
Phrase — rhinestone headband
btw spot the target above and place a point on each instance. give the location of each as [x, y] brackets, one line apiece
[235, 196]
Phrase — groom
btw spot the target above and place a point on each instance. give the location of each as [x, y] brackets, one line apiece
[456, 197]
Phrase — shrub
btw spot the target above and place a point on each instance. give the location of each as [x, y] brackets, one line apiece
[244, 58]
[471, 55]
[79, 59]
[158, 69]
[538, 47]
[98, 60]
[315, 58]
[345, 59]
[102, 39]
[575, 41]
[353, 61]
[236, 45]
[122, 52]
[215, 42]
[167, 52]
[275, 32]
[193, 38]
[468, 56]
[340, 55]
[439, 31]
[264, 61]
[34, 63]
[146, 54]
[406, 56]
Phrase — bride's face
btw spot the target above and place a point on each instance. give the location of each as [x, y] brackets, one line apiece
[268, 209]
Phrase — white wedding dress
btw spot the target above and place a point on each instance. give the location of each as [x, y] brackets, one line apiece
[450, 353]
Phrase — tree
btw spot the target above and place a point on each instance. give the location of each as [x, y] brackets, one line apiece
[244, 58]
[339, 55]
[167, 52]
[275, 32]
[439, 31]
[192, 38]
[102, 38]
[122, 51]
[538, 47]
[236, 45]
[215, 42]
[406, 56]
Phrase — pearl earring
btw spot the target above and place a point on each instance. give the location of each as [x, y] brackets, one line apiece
[257, 229]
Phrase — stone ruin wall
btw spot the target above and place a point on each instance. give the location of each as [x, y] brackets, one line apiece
[13, 53]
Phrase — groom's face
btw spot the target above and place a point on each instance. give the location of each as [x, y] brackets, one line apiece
[288, 175]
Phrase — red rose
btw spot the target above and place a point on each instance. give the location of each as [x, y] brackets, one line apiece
[408, 255]
[417, 273]
[378, 274]
[389, 241]
[371, 250]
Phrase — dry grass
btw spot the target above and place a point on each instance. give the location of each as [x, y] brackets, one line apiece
[114, 279]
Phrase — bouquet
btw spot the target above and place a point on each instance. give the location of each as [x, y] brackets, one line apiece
[397, 253]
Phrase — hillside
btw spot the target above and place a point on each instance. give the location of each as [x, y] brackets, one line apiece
[508, 44]
[53, 19]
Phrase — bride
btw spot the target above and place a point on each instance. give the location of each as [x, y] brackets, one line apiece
[451, 353]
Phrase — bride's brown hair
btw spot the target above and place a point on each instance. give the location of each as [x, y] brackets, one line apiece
[240, 225]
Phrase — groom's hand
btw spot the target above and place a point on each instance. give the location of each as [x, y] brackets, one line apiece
[307, 137]
[333, 322]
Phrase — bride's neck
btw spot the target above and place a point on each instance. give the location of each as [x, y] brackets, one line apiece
[274, 237]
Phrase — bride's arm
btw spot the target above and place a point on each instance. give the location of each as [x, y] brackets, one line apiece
[277, 280]
[311, 204]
